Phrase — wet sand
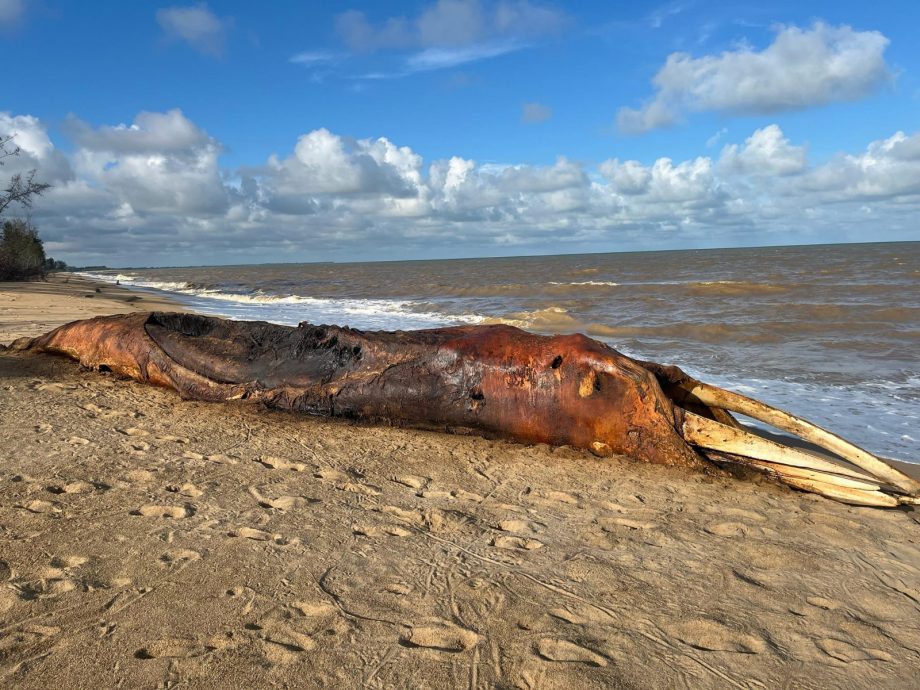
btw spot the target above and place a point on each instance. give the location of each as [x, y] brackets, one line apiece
[147, 541]
[29, 309]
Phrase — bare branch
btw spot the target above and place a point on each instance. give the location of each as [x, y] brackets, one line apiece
[22, 190]
[7, 149]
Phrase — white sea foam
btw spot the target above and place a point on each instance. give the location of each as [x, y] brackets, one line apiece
[595, 283]
[292, 309]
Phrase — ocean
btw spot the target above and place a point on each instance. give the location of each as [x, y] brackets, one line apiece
[829, 332]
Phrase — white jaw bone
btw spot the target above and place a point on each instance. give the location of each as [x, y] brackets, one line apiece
[882, 485]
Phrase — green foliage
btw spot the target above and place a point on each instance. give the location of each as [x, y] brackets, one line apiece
[22, 255]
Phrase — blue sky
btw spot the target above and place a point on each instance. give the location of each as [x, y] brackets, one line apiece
[205, 133]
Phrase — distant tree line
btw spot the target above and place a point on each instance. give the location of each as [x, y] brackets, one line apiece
[22, 254]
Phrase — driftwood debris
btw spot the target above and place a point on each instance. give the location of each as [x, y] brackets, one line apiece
[496, 381]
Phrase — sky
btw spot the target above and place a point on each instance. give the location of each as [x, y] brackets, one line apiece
[240, 132]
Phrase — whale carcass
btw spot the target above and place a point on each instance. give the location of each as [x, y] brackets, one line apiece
[496, 381]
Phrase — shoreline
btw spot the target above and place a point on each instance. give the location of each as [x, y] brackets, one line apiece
[150, 540]
[31, 308]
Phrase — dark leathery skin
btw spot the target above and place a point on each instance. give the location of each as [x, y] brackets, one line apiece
[497, 381]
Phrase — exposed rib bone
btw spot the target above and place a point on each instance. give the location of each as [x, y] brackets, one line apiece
[857, 497]
[713, 435]
[735, 402]
[785, 471]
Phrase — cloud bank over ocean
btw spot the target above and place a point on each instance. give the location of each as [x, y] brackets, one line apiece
[149, 190]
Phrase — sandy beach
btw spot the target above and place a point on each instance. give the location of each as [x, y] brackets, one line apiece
[151, 542]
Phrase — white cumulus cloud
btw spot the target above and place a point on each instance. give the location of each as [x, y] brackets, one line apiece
[766, 152]
[161, 163]
[802, 68]
[887, 169]
[153, 191]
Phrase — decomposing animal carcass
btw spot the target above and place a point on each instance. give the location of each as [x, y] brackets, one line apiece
[496, 381]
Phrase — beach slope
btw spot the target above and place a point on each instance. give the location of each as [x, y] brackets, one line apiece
[149, 541]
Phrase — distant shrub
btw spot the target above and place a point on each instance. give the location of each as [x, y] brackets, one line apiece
[22, 255]
[52, 264]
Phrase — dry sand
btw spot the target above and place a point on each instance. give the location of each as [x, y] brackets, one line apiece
[151, 542]
[32, 308]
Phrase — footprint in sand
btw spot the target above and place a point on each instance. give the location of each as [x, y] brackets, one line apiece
[413, 517]
[551, 498]
[383, 530]
[822, 603]
[847, 653]
[283, 645]
[279, 503]
[40, 507]
[728, 529]
[68, 562]
[188, 489]
[314, 609]
[261, 535]
[180, 556]
[172, 512]
[282, 502]
[508, 542]
[132, 431]
[54, 387]
[463, 495]
[221, 459]
[360, 489]
[579, 615]
[413, 481]
[181, 649]
[613, 507]
[75, 487]
[173, 439]
[435, 494]
[40, 630]
[618, 523]
[553, 649]
[713, 636]
[138, 477]
[520, 526]
[280, 464]
[46, 588]
[442, 636]
[331, 475]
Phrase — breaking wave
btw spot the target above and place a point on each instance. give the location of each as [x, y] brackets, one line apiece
[292, 309]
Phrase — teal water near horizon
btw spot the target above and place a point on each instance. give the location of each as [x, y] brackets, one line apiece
[831, 332]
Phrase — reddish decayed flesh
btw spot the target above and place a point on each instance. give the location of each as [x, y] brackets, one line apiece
[498, 381]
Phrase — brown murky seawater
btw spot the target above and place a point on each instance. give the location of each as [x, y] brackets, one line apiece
[831, 332]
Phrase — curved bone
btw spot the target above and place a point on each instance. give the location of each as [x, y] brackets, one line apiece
[856, 497]
[735, 402]
[784, 471]
[712, 435]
